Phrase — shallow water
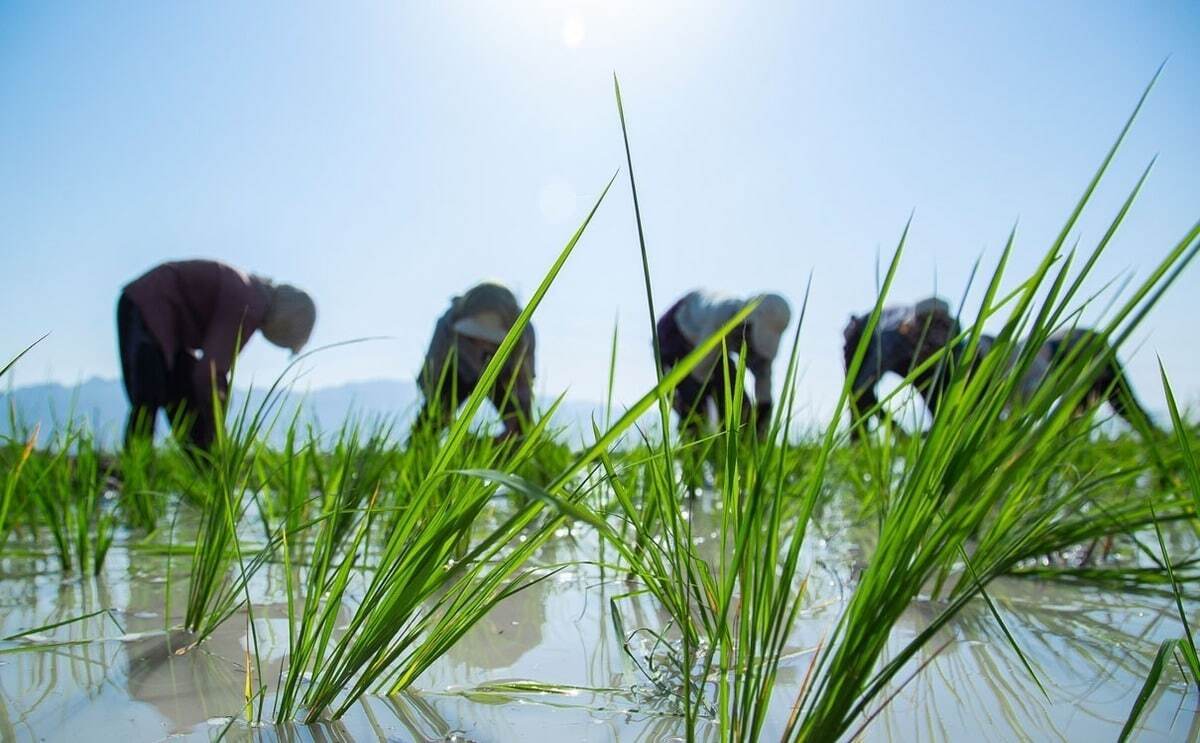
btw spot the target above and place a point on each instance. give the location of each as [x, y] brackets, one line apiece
[123, 676]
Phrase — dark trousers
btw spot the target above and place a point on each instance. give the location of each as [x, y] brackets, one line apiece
[151, 385]
[691, 398]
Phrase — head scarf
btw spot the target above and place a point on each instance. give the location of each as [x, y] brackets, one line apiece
[290, 316]
[767, 322]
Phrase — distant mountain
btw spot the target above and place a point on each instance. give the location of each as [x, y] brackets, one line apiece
[100, 405]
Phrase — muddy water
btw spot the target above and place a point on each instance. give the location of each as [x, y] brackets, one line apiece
[126, 676]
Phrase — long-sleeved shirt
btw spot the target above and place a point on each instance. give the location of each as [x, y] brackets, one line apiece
[200, 307]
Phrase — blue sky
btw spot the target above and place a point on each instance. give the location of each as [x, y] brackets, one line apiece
[385, 156]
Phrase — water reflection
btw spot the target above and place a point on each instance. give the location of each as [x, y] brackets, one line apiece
[1090, 651]
[1090, 648]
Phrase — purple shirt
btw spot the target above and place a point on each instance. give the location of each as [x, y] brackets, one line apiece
[200, 306]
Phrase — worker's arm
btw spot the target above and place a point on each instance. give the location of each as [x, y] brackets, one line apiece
[225, 336]
[761, 369]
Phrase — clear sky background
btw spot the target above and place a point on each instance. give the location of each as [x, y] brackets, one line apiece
[386, 156]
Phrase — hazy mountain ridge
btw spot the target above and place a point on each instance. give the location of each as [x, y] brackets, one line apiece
[100, 405]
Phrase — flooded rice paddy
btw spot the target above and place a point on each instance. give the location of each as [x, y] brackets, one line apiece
[548, 664]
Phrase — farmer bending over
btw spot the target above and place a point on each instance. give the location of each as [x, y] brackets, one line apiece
[698, 316]
[465, 339]
[904, 338]
[179, 327]
[1070, 351]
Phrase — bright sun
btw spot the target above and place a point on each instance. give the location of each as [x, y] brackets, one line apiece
[573, 31]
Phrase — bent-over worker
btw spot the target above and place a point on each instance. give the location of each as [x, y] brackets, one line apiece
[698, 316]
[179, 327]
[465, 339]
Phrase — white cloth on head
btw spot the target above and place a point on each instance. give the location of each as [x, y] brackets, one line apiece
[699, 316]
[767, 323]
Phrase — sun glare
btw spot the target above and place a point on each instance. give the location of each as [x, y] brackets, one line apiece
[573, 32]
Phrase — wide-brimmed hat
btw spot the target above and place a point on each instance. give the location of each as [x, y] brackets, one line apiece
[767, 322]
[484, 326]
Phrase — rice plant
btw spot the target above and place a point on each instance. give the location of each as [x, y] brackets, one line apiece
[390, 552]
[215, 589]
[985, 489]
[1185, 646]
[977, 491]
[426, 590]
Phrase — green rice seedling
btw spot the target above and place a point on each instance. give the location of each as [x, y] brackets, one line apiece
[142, 505]
[699, 602]
[425, 591]
[749, 597]
[1040, 436]
[1186, 645]
[93, 524]
[287, 482]
[225, 475]
[719, 622]
[739, 612]
[1165, 651]
[979, 482]
[987, 481]
[679, 581]
[66, 496]
[313, 606]
[13, 470]
[15, 467]
[1184, 438]
[358, 468]
[692, 601]
[47, 507]
[214, 594]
